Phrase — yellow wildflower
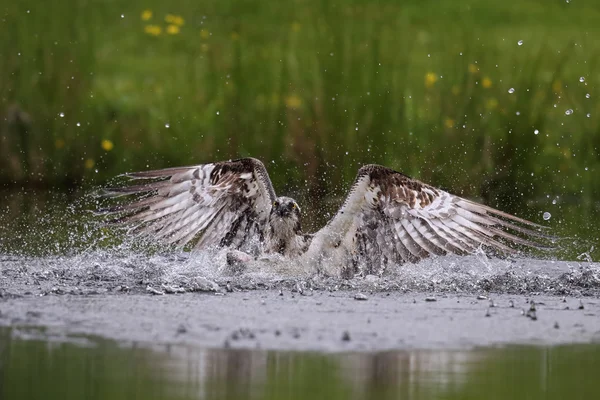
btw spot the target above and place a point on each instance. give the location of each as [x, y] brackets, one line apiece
[235, 36]
[153, 30]
[146, 15]
[557, 86]
[59, 143]
[296, 27]
[107, 145]
[172, 29]
[473, 69]
[491, 103]
[89, 163]
[486, 83]
[204, 47]
[430, 79]
[293, 101]
[174, 19]
[449, 123]
[204, 34]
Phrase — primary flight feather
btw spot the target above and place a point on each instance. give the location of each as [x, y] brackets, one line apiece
[386, 218]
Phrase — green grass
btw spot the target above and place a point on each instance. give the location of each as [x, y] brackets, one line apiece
[314, 88]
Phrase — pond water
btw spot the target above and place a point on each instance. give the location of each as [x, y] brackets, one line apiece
[62, 271]
[92, 368]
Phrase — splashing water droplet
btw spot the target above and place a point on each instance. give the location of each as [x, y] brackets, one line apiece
[536, 132]
[62, 115]
[569, 111]
[217, 113]
[554, 201]
[520, 43]
[587, 96]
[547, 216]
[511, 90]
[78, 124]
[581, 79]
[588, 115]
[167, 126]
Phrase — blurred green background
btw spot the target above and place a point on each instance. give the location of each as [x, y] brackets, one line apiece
[491, 100]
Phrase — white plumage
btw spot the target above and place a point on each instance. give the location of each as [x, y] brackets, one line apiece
[386, 218]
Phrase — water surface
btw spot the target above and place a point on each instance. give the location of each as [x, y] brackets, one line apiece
[92, 368]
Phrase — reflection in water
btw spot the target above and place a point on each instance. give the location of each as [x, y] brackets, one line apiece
[402, 373]
[102, 369]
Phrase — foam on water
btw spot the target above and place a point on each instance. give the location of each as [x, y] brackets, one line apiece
[103, 271]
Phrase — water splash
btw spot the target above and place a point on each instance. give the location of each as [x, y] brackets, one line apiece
[73, 251]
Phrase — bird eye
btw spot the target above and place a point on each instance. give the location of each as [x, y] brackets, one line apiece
[294, 206]
[275, 203]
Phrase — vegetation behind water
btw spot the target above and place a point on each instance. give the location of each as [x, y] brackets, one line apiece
[489, 100]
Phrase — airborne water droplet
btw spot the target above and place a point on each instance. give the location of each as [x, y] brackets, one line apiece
[547, 216]
[581, 79]
[511, 90]
[569, 111]
[587, 96]
[167, 126]
[536, 132]
[520, 43]
[62, 115]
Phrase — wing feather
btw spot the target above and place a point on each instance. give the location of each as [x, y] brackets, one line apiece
[451, 236]
[439, 242]
[423, 221]
[205, 203]
[424, 247]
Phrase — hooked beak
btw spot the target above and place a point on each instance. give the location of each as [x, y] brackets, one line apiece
[284, 210]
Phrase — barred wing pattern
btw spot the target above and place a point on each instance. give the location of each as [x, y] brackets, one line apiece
[218, 204]
[389, 217]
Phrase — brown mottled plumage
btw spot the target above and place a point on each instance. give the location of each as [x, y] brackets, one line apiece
[386, 218]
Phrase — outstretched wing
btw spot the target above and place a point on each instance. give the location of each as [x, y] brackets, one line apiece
[389, 217]
[224, 203]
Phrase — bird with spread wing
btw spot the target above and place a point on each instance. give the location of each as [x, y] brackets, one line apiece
[387, 217]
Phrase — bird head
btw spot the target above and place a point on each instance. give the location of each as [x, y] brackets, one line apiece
[285, 207]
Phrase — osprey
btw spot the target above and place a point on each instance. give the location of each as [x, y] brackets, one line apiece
[386, 218]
